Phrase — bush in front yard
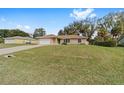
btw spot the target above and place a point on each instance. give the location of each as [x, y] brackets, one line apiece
[1, 40]
[111, 43]
[64, 43]
[92, 42]
[121, 44]
[104, 41]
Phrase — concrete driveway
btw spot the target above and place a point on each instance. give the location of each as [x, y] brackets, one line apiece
[16, 49]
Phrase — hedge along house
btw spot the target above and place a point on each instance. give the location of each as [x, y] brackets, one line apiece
[72, 39]
[19, 40]
[47, 39]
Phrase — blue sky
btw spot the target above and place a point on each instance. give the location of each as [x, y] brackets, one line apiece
[52, 19]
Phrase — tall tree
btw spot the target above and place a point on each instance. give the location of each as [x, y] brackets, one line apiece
[113, 23]
[39, 32]
[85, 27]
[60, 32]
[102, 33]
[12, 32]
[116, 31]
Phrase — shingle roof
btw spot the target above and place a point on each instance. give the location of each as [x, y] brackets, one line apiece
[71, 37]
[61, 37]
[18, 37]
[47, 36]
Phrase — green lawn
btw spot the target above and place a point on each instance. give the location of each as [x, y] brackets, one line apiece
[70, 64]
[9, 45]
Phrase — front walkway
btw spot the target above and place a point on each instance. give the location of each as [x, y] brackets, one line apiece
[16, 49]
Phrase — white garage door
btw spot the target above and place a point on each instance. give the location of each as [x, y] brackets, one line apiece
[44, 41]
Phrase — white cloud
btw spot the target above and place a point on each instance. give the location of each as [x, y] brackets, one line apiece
[80, 14]
[22, 26]
[27, 27]
[19, 26]
[92, 15]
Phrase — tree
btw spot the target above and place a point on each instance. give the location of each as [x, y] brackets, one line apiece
[120, 23]
[39, 32]
[1, 40]
[60, 32]
[12, 32]
[116, 31]
[102, 34]
[71, 29]
[88, 27]
[85, 27]
[109, 27]
[107, 22]
[113, 23]
[17, 32]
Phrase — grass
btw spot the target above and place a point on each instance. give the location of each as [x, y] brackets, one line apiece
[70, 64]
[9, 45]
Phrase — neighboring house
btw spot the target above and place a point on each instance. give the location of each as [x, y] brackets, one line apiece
[19, 40]
[47, 39]
[72, 39]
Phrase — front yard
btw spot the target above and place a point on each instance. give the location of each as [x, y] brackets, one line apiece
[70, 64]
[9, 45]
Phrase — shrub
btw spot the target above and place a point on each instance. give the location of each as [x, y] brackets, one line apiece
[107, 38]
[104, 41]
[92, 42]
[111, 43]
[121, 45]
[99, 39]
[64, 43]
[82, 44]
[1, 40]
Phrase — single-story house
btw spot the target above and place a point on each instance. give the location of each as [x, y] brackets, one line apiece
[72, 39]
[69, 39]
[19, 40]
[47, 39]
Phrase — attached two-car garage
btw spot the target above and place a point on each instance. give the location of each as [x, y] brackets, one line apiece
[47, 40]
[44, 41]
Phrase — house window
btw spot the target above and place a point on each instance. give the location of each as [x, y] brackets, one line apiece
[79, 40]
[66, 40]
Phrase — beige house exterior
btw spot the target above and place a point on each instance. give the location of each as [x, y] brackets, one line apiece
[72, 39]
[19, 40]
[47, 39]
[69, 39]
